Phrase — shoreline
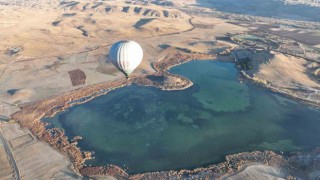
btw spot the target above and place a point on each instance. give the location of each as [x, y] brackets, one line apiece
[278, 90]
[31, 114]
[207, 11]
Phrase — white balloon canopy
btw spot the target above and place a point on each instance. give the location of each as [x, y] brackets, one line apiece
[126, 56]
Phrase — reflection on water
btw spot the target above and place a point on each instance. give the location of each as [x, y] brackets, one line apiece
[146, 129]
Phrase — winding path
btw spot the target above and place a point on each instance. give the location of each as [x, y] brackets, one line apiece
[10, 155]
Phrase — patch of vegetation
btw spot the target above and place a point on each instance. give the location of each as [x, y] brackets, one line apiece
[244, 64]
[12, 91]
[4, 118]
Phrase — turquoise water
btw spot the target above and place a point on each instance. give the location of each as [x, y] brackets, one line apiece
[145, 129]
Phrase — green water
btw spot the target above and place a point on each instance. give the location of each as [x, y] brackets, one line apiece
[145, 129]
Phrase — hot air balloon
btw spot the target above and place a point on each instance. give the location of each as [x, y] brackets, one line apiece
[126, 56]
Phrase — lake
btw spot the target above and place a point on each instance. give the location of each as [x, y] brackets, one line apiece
[145, 129]
[266, 8]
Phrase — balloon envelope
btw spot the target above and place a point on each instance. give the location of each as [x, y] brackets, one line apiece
[126, 56]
